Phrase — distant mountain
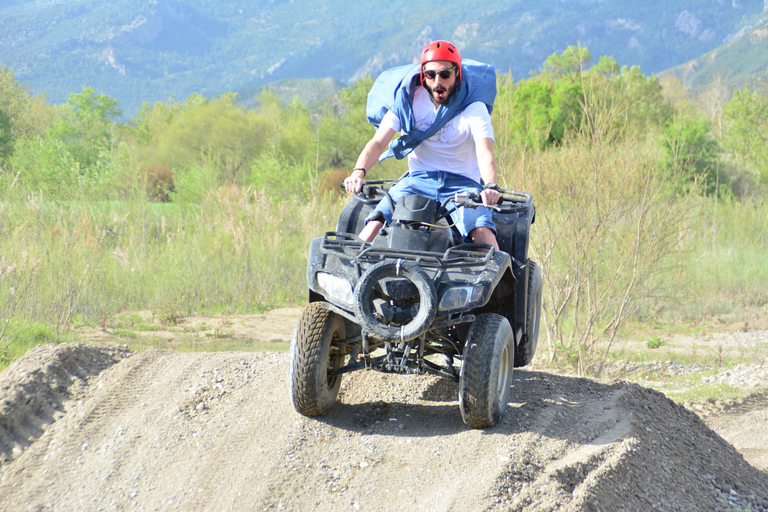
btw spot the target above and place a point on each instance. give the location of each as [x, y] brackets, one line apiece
[741, 60]
[140, 50]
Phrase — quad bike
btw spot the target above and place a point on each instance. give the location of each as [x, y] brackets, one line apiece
[419, 300]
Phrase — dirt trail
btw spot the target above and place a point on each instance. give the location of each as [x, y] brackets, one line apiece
[88, 428]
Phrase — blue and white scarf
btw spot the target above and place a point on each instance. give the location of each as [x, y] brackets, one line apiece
[394, 90]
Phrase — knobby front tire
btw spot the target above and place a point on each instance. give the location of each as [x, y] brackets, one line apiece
[486, 372]
[313, 355]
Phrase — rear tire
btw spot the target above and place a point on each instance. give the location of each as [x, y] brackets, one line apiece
[527, 348]
[486, 372]
[313, 354]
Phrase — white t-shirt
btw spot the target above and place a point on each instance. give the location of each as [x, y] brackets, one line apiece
[452, 148]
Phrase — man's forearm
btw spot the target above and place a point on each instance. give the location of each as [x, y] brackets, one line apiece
[369, 156]
[486, 161]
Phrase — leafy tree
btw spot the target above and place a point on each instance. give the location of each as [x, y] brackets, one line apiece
[621, 102]
[546, 106]
[297, 139]
[200, 135]
[22, 115]
[570, 64]
[569, 96]
[209, 132]
[152, 119]
[343, 129]
[746, 116]
[88, 125]
[532, 124]
[291, 134]
[280, 178]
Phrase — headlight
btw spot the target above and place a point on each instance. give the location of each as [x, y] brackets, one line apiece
[336, 288]
[459, 296]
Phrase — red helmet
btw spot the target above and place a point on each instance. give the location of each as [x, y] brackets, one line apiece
[441, 50]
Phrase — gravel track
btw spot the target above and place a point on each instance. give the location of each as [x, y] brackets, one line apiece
[101, 428]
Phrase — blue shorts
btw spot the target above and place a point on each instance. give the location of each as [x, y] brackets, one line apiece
[438, 186]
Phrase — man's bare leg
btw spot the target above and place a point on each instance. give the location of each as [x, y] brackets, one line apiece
[483, 235]
[370, 230]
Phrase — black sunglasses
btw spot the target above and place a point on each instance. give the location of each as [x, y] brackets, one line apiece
[445, 73]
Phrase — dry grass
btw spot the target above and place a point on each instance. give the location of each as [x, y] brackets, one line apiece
[65, 264]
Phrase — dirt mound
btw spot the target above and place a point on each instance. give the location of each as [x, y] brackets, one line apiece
[99, 429]
[35, 388]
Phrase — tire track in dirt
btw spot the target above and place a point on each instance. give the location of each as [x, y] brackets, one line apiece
[89, 420]
[32, 395]
[581, 431]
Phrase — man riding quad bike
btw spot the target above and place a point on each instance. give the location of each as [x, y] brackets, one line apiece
[419, 300]
[431, 270]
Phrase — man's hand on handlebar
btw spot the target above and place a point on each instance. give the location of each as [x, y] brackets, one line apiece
[354, 183]
[490, 197]
[472, 199]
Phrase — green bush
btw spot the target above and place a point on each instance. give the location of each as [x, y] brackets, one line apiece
[195, 184]
[45, 166]
[279, 179]
[691, 154]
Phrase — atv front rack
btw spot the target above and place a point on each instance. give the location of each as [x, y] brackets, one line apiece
[352, 248]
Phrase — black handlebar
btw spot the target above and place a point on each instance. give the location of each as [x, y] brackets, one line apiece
[469, 198]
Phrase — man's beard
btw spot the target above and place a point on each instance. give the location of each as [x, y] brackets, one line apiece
[440, 94]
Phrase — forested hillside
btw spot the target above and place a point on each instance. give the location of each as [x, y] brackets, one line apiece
[740, 61]
[137, 51]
